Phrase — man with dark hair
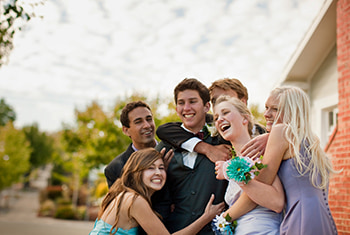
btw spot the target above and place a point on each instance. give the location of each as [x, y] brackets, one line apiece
[137, 123]
[191, 178]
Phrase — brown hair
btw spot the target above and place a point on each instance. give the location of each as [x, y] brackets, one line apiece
[192, 84]
[230, 84]
[131, 181]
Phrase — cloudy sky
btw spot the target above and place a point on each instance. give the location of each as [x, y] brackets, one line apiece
[86, 50]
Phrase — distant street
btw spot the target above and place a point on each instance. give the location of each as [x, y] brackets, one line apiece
[20, 218]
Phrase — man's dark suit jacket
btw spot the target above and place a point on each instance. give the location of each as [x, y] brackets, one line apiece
[114, 169]
[190, 189]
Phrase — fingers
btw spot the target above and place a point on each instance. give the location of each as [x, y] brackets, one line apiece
[211, 200]
[167, 158]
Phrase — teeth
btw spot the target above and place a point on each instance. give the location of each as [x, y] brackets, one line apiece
[188, 115]
[157, 181]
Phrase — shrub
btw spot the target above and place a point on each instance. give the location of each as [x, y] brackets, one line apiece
[65, 212]
[47, 208]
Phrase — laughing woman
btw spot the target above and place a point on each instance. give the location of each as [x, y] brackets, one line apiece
[234, 122]
[293, 152]
[127, 205]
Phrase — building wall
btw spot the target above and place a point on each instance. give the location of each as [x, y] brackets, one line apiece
[339, 149]
[323, 94]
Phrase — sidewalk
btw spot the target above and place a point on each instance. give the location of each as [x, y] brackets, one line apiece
[21, 218]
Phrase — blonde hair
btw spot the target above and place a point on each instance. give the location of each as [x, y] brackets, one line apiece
[294, 111]
[131, 181]
[241, 108]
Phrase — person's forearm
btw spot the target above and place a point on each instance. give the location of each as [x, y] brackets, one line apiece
[269, 196]
[202, 148]
[242, 206]
[195, 227]
[173, 133]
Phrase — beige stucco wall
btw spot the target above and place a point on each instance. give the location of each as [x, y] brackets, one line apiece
[323, 92]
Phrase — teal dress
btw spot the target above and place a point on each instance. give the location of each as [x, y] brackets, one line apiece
[102, 228]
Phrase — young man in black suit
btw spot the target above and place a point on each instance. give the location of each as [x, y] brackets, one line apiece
[191, 178]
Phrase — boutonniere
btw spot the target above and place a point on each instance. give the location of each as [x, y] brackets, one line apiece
[242, 169]
[211, 130]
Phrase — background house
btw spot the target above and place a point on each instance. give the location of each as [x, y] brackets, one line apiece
[321, 66]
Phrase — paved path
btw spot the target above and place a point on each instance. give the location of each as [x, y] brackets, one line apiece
[21, 219]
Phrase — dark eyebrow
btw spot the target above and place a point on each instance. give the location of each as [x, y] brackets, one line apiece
[137, 119]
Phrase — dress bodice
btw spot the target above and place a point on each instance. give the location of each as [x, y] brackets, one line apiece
[259, 221]
[103, 228]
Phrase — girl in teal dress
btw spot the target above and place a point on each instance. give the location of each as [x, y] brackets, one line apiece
[127, 205]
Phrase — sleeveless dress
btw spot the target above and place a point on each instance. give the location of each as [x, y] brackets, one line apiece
[102, 228]
[307, 210]
[258, 221]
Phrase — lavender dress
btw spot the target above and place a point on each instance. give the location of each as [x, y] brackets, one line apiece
[307, 210]
[259, 221]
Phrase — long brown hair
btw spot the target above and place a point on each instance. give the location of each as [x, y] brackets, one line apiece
[131, 181]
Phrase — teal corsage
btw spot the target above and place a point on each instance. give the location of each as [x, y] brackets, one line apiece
[242, 169]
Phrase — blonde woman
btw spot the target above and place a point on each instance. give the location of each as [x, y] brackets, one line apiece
[234, 123]
[294, 153]
[127, 205]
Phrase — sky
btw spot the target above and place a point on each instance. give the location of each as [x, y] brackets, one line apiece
[100, 50]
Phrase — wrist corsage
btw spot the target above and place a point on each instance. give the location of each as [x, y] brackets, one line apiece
[242, 169]
[221, 225]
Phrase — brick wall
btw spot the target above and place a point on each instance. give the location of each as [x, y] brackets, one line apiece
[339, 150]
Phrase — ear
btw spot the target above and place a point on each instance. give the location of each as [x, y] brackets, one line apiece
[244, 100]
[126, 130]
[245, 121]
[207, 107]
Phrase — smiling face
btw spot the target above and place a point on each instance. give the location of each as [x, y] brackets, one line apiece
[230, 123]
[154, 177]
[191, 110]
[271, 108]
[141, 130]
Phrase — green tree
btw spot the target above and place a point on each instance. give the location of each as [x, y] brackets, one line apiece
[6, 113]
[14, 155]
[41, 145]
[13, 14]
[258, 116]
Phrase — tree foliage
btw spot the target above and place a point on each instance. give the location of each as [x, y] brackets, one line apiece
[13, 14]
[14, 155]
[41, 145]
[258, 116]
[6, 113]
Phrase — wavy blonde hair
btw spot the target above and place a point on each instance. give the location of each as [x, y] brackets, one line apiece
[131, 181]
[294, 111]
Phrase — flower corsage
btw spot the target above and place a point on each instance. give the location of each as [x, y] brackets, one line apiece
[242, 169]
[211, 130]
[222, 226]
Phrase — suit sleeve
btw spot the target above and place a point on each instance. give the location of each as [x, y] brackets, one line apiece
[173, 134]
[113, 171]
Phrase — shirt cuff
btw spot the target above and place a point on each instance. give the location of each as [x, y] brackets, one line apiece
[190, 144]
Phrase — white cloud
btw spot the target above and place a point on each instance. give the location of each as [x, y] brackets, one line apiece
[85, 49]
